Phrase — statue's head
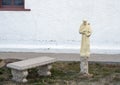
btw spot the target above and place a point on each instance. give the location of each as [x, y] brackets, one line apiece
[85, 22]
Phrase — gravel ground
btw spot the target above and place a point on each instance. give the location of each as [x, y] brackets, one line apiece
[107, 58]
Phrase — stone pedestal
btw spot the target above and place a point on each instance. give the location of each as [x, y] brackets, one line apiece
[19, 76]
[84, 65]
[44, 70]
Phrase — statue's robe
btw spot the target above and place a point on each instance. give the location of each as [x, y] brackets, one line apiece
[85, 30]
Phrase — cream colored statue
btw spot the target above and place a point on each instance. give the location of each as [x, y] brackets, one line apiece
[85, 30]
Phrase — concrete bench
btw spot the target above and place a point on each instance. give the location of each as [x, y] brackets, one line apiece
[19, 69]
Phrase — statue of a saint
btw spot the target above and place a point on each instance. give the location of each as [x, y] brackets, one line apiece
[85, 30]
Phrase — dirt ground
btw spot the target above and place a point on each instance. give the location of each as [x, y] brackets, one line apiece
[67, 73]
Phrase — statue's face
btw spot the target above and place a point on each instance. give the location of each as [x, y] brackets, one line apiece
[85, 22]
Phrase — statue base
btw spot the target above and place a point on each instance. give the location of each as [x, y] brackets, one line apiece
[84, 67]
[86, 75]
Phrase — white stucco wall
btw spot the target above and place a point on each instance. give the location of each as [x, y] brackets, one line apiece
[54, 24]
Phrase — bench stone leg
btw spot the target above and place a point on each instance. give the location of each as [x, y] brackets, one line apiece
[19, 76]
[44, 70]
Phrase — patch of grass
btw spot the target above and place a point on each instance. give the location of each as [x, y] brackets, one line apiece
[2, 78]
[116, 79]
[1, 60]
[1, 71]
[5, 74]
[63, 72]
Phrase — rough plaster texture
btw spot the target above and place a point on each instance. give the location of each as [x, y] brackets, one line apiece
[55, 24]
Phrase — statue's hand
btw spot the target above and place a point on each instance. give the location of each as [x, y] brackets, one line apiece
[88, 34]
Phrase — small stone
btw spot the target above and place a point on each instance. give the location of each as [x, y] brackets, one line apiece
[2, 63]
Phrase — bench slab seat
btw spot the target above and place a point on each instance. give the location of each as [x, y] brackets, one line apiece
[19, 69]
